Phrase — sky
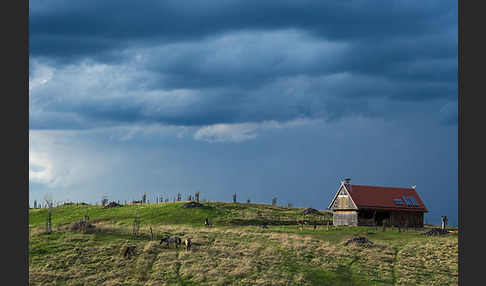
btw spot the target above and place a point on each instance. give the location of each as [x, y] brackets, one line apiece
[263, 99]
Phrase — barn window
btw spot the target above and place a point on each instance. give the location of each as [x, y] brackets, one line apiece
[343, 202]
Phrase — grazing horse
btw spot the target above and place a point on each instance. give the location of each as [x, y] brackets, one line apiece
[207, 222]
[174, 239]
[187, 241]
[129, 251]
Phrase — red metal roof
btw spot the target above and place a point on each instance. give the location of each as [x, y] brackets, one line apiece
[382, 197]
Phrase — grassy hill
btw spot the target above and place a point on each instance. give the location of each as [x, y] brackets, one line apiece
[235, 251]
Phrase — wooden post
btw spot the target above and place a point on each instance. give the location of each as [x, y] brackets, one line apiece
[151, 233]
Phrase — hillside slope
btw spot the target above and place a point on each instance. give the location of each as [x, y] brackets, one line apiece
[235, 251]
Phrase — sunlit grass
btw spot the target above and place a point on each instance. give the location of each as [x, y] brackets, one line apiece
[229, 254]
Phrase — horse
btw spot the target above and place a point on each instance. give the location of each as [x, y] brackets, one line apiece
[207, 222]
[129, 251]
[175, 239]
[187, 241]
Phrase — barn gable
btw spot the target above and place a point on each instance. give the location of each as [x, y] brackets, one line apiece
[342, 199]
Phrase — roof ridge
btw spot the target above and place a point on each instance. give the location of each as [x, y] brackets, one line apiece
[380, 186]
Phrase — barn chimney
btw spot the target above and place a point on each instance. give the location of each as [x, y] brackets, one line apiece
[347, 180]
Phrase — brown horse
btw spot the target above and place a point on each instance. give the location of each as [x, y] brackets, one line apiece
[187, 241]
[129, 251]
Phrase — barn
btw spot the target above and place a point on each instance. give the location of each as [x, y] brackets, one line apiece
[361, 205]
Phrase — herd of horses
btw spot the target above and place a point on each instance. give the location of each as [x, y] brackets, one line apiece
[130, 250]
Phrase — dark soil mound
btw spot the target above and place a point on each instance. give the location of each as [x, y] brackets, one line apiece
[359, 240]
[435, 231]
[111, 205]
[81, 225]
[312, 211]
[193, 205]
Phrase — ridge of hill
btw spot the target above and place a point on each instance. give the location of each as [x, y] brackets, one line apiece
[219, 213]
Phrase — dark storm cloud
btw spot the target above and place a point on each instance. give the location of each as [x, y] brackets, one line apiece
[175, 20]
[207, 62]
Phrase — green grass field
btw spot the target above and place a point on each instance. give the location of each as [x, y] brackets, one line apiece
[233, 252]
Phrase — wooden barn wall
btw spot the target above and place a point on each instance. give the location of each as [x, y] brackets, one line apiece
[345, 218]
[410, 219]
[395, 218]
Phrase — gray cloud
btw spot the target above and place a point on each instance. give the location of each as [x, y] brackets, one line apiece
[237, 77]
[251, 96]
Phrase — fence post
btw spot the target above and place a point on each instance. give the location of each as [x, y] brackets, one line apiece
[136, 225]
[48, 222]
